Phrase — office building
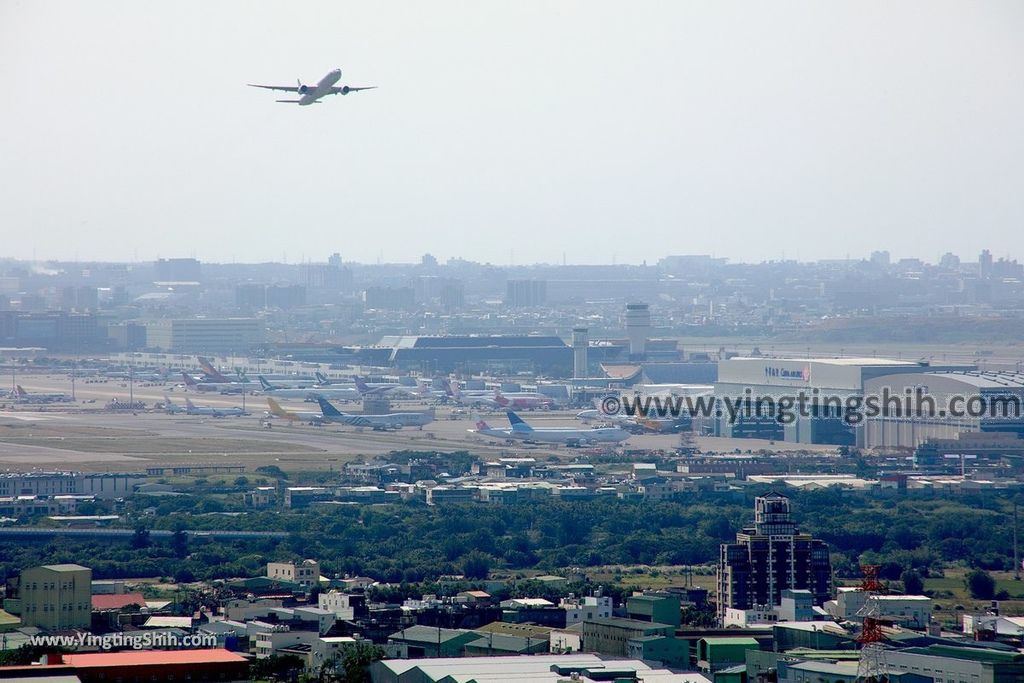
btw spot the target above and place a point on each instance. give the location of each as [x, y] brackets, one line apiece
[205, 335]
[526, 293]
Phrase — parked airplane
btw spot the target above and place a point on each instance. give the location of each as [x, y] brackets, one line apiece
[311, 94]
[293, 415]
[597, 415]
[338, 393]
[211, 374]
[472, 398]
[310, 393]
[376, 422]
[172, 408]
[425, 390]
[212, 411]
[21, 396]
[523, 400]
[219, 387]
[392, 389]
[521, 431]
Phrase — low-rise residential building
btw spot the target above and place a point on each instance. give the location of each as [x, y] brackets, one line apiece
[586, 608]
[305, 573]
[56, 597]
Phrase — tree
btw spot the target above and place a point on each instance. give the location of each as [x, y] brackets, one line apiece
[913, 584]
[179, 543]
[356, 661]
[140, 539]
[476, 565]
[981, 585]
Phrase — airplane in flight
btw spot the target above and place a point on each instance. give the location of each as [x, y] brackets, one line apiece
[294, 415]
[213, 411]
[21, 396]
[375, 422]
[521, 431]
[311, 94]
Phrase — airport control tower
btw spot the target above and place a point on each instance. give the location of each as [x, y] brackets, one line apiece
[638, 327]
[580, 346]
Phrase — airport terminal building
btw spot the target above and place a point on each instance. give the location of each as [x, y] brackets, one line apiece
[766, 393]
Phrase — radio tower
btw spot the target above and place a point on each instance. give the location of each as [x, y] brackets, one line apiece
[871, 667]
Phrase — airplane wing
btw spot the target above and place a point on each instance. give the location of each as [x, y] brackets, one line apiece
[285, 88]
[344, 90]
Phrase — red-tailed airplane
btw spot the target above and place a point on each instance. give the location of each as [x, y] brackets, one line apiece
[311, 94]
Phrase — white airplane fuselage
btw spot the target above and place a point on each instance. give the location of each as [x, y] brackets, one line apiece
[312, 93]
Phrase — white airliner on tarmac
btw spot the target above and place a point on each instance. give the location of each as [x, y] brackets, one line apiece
[311, 94]
[521, 431]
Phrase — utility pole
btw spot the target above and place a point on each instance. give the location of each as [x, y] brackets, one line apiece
[1016, 555]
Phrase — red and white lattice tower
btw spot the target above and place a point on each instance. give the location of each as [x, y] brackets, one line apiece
[871, 667]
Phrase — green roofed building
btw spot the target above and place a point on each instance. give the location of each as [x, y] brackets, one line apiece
[662, 608]
[723, 652]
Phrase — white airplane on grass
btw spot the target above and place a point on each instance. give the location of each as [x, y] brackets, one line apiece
[521, 431]
[311, 94]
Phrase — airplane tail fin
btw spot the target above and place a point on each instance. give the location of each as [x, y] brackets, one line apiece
[321, 378]
[20, 391]
[518, 424]
[275, 408]
[264, 383]
[326, 408]
[189, 404]
[499, 399]
[189, 380]
[361, 385]
[211, 371]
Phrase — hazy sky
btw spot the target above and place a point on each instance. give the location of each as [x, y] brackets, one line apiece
[512, 130]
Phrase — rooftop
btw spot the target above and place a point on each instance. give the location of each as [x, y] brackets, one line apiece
[151, 657]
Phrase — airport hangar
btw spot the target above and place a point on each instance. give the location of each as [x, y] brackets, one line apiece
[1002, 402]
[837, 378]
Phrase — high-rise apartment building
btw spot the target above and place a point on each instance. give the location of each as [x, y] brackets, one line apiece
[770, 557]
